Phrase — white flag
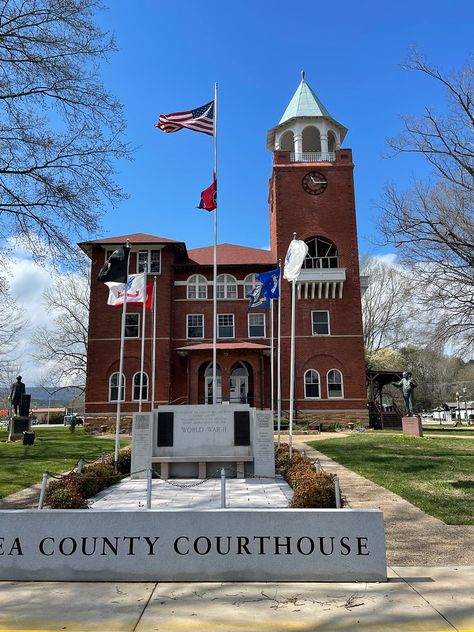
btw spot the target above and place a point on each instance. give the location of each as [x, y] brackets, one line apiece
[136, 290]
[294, 259]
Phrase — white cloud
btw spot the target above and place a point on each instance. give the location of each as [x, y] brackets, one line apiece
[389, 258]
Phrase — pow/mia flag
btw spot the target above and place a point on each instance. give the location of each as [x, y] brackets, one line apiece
[115, 268]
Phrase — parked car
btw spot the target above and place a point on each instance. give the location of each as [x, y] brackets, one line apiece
[68, 418]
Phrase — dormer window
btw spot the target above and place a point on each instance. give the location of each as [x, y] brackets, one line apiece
[152, 259]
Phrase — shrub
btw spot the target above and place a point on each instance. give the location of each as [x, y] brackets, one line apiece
[66, 498]
[105, 473]
[314, 489]
[311, 489]
[124, 460]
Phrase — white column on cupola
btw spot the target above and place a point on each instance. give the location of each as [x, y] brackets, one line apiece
[298, 146]
[324, 144]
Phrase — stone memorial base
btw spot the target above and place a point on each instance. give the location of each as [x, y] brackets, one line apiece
[412, 426]
[18, 425]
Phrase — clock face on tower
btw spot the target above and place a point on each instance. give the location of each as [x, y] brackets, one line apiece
[314, 183]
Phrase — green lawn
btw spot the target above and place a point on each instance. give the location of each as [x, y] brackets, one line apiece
[434, 473]
[55, 450]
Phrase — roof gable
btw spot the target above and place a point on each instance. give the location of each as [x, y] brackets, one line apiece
[231, 254]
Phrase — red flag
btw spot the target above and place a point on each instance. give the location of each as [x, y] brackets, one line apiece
[149, 296]
[209, 198]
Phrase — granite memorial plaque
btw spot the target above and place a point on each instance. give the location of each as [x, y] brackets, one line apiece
[142, 444]
[263, 444]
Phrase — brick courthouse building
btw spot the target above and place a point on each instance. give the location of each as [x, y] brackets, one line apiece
[311, 193]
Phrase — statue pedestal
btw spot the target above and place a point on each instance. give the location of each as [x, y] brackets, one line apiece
[412, 426]
[18, 425]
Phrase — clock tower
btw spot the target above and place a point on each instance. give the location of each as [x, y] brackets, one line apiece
[311, 193]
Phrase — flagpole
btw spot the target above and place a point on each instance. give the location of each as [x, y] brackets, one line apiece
[292, 365]
[153, 351]
[142, 360]
[121, 385]
[272, 361]
[279, 360]
[214, 332]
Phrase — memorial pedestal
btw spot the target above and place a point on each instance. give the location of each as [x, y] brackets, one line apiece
[18, 425]
[412, 426]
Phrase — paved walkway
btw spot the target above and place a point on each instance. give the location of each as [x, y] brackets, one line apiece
[194, 495]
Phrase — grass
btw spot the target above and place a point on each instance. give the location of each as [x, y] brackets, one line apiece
[435, 474]
[55, 450]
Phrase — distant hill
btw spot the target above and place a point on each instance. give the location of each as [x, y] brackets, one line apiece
[40, 396]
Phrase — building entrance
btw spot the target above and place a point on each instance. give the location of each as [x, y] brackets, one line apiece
[208, 385]
[239, 384]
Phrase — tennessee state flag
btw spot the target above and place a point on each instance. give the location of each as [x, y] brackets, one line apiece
[209, 198]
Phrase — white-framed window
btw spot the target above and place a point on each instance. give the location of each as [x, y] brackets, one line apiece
[132, 325]
[197, 287]
[226, 286]
[114, 387]
[152, 259]
[335, 384]
[136, 387]
[195, 325]
[250, 282]
[256, 325]
[312, 385]
[225, 325]
[320, 323]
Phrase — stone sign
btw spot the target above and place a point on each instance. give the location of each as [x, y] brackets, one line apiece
[175, 545]
[412, 426]
[142, 432]
[263, 444]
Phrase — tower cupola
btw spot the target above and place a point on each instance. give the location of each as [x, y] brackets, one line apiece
[306, 129]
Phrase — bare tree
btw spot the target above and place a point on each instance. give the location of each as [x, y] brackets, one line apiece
[63, 344]
[385, 304]
[432, 224]
[60, 129]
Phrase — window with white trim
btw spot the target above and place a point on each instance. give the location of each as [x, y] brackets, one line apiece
[136, 387]
[195, 326]
[335, 384]
[114, 387]
[197, 287]
[132, 325]
[256, 325]
[225, 325]
[312, 388]
[226, 286]
[152, 259]
[320, 323]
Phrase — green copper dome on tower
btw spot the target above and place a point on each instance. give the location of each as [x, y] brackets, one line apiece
[306, 109]
[304, 103]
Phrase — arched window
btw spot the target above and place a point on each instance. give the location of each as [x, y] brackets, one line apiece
[226, 286]
[250, 282]
[321, 254]
[335, 384]
[312, 388]
[114, 387]
[311, 139]
[197, 287]
[287, 141]
[136, 387]
[332, 141]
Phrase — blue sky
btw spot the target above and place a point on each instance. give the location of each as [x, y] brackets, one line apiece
[170, 55]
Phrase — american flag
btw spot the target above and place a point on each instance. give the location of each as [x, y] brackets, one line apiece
[200, 120]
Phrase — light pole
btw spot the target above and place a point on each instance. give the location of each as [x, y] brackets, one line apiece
[465, 405]
[459, 409]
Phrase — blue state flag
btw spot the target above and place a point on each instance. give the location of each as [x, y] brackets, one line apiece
[270, 282]
[257, 298]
